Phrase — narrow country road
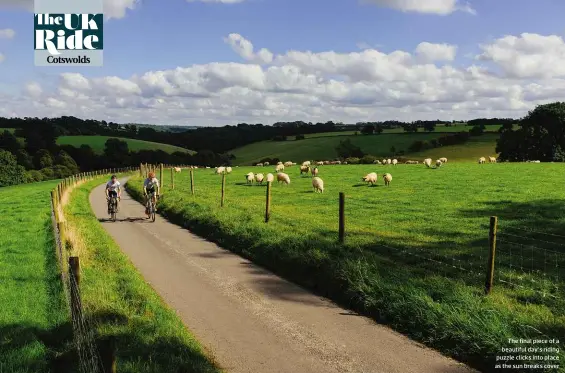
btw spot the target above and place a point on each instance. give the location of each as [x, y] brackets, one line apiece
[250, 319]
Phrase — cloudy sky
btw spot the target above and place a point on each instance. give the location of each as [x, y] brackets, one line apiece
[217, 62]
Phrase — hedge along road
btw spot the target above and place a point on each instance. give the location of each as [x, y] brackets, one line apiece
[250, 319]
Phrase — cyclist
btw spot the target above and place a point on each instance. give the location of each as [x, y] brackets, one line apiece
[150, 187]
[113, 189]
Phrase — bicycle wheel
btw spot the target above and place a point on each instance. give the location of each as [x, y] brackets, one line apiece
[153, 213]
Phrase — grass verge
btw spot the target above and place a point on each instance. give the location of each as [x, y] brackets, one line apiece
[440, 214]
[33, 313]
[97, 144]
[149, 337]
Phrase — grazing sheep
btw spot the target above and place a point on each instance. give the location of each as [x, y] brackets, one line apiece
[387, 178]
[388, 161]
[492, 159]
[207, 166]
[280, 167]
[384, 161]
[315, 171]
[370, 178]
[177, 169]
[327, 162]
[394, 162]
[259, 165]
[270, 177]
[306, 163]
[320, 163]
[228, 170]
[536, 162]
[304, 170]
[482, 160]
[259, 178]
[428, 162]
[287, 164]
[220, 170]
[266, 164]
[438, 163]
[318, 184]
[377, 162]
[283, 177]
[250, 177]
[443, 160]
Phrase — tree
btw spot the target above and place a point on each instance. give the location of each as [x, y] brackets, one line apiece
[477, 130]
[368, 129]
[43, 159]
[393, 150]
[410, 127]
[9, 142]
[378, 129]
[116, 152]
[429, 126]
[11, 173]
[24, 159]
[541, 136]
[347, 149]
[64, 159]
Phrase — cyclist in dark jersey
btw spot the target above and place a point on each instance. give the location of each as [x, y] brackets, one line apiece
[150, 188]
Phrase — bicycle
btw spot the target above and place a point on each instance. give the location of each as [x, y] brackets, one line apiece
[113, 207]
[151, 207]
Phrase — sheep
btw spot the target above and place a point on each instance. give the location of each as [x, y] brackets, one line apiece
[266, 164]
[228, 170]
[318, 184]
[306, 163]
[250, 177]
[377, 162]
[327, 162]
[270, 178]
[428, 162]
[370, 178]
[387, 178]
[177, 169]
[394, 162]
[304, 170]
[388, 161]
[259, 178]
[443, 160]
[287, 164]
[220, 170]
[320, 163]
[384, 161]
[536, 162]
[280, 167]
[259, 165]
[438, 163]
[492, 159]
[315, 171]
[337, 162]
[283, 177]
[482, 160]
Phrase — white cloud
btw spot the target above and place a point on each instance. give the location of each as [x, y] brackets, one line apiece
[7, 33]
[216, 1]
[527, 55]
[244, 48]
[315, 86]
[441, 7]
[2, 58]
[429, 52]
[112, 8]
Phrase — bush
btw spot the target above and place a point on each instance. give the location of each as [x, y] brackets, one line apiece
[299, 137]
[352, 160]
[34, 176]
[368, 159]
[270, 160]
[11, 173]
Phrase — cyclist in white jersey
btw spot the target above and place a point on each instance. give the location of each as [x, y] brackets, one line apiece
[150, 187]
[113, 189]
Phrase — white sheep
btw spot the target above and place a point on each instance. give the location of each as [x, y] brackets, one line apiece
[220, 170]
[259, 178]
[394, 162]
[250, 177]
[370, 178]
[428, 162]
[388, 161]
[228, 170]
[287, 164]
[443, 160]
[482, 160]
[304, 170]
[377, 162]
[318, 184]
[315, 171]
[266, 164]
[306, 163]
[177, 169]
[438, 163]
[279, 162]
[280, 167]
[320, 163]
[283, 177]
[492, 159]
[337, 162]
[384, 161]
[387, 178]
[270, 177]
[259, 165]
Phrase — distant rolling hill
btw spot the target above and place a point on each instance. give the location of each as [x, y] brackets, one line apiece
[97, 143]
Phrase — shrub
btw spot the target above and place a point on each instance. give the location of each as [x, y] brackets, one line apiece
[352, 160]
[368, 159]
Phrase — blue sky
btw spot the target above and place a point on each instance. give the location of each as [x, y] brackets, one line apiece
[161, 35]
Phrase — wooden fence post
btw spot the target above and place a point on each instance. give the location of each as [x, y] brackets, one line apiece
[341, 217]
[223, 188]
[161, 176]
[172, 178]
[492, 251]
[192, 181]
[74, 273]
[268, 203]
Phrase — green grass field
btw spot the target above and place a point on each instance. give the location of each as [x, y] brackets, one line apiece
[416, 252]
[323, 148]
[11, 130]
[149, 336]
[97, 143]
[32, 315]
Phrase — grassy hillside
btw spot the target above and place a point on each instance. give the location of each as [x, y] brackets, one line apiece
[97, 143]
[415, 252]
[30, 290]
[323, 147]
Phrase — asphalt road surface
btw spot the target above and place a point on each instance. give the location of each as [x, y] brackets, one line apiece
[251, 320]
